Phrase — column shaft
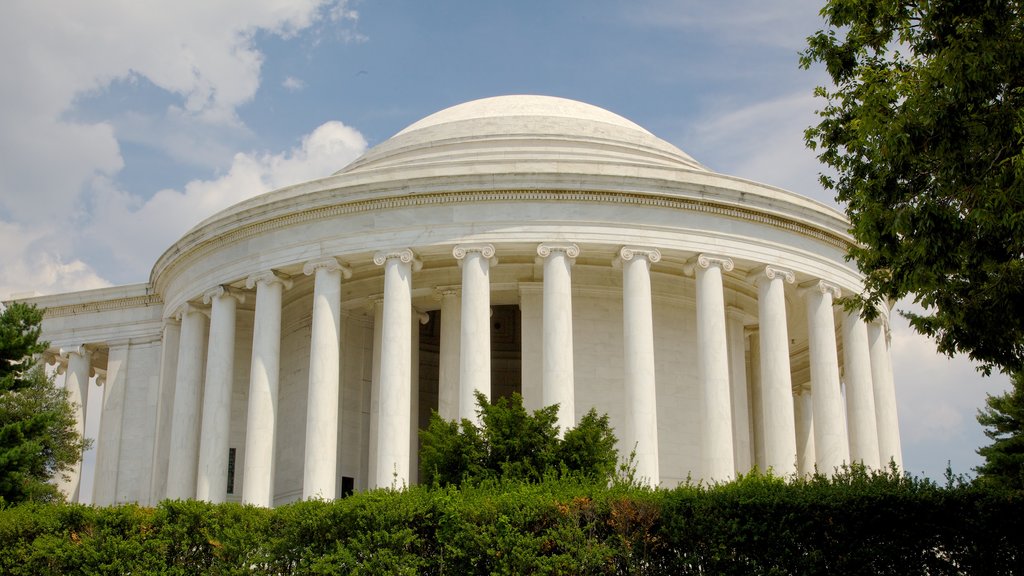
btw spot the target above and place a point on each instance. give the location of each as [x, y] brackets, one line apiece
[183, 453]
[638, 339]
[475, 358]
[804, 409]
[713, 369]
[108, 442]
[885, 397]
[395, 370]
[212, 475]
[320, 459]
[558, 382]
[261, 422]
[831, 446]
[76, 382]
[860, 398]
[777, 415]
[741, 440]
[448, 361]
[169, 345]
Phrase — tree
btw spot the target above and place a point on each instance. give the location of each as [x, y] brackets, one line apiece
[513, 444]
[924, 127]
[1003, 419]
[38, 440]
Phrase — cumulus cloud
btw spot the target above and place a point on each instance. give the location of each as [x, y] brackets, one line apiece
[763, 141]
[32, 264]
[938, 398]
[56, 169]
[134, 231]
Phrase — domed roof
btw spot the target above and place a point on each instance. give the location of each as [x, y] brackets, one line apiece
[526, 133]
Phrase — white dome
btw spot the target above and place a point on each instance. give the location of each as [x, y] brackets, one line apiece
[525, 134]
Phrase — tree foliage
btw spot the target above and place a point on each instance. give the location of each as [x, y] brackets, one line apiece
[1003, 418]
[924, 127]
[512, 444]
[38, 439]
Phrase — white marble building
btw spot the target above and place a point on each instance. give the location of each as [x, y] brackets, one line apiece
[291, 345]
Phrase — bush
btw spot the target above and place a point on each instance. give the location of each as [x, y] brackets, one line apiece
[856, 523]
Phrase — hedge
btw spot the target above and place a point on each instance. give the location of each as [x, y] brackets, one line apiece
[857, 523]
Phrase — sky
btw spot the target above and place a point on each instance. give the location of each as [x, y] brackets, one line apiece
[123, 124]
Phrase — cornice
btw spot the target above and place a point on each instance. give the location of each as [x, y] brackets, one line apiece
[103, 306]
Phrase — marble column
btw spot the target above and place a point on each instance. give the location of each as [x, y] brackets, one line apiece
[183, 454]
[558, 382]
[320, 460]
[776, 390]
[261, 422]
[108, 442]
[713, 368]
[377, 305]
[885, 396]
[860, 398]
[448, 356]
[804, 408]
[76, 382]
[418, 319]
[475, 339]
[741, 442]
[638, 338]
[756, 401]
[831, 445]
[212, 475]
[169, 345]
[395, 369]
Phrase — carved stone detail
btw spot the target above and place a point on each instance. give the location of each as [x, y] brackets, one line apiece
[406, 255]
[571, 249]
[329, 263]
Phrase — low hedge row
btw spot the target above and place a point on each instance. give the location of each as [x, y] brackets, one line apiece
[855, 524]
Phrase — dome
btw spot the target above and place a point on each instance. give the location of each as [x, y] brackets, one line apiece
[529, 133]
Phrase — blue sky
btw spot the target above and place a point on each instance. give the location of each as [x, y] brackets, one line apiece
[124, 124]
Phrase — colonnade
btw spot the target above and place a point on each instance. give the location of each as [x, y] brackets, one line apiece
[858, 427]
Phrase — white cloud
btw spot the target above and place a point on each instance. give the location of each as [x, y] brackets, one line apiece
[53, 52]
[32, 265]
[763, 141]
[134, 231]
[293, 84]
[56, 170]
[938, 399]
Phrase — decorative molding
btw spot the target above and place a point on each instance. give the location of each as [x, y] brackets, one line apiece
[189, 308]
[103, 306]
[329, 263]
[771, 273]
[268, 277]
[406, 255]
[571, 249]
[223, 290]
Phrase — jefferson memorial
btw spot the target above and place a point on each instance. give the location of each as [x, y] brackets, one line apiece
[292, 345]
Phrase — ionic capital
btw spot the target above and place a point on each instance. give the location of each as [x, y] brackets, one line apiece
[223, 291]
[627, 253]
[570, 249]
[101, 376]
[706, 261]
[451, 290]
[821, 287]
[770, 272]
[80, 350]
[190, 308]
[486, 250]
[405, 255]
[328, 263]
[268, 277]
